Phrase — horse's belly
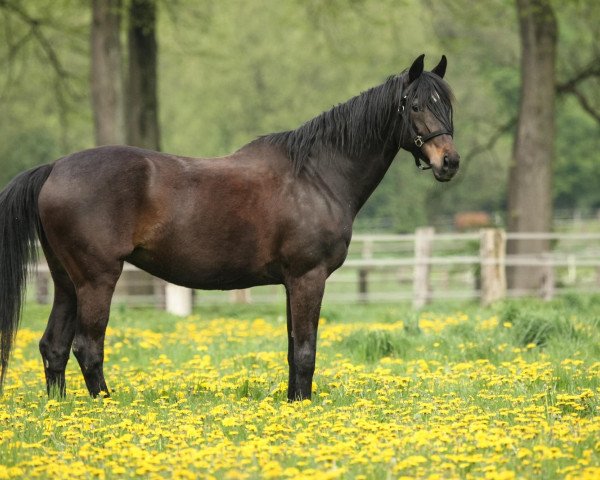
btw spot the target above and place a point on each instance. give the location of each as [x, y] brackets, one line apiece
[212, 271]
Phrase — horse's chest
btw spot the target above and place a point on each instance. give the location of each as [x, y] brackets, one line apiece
[320, 247]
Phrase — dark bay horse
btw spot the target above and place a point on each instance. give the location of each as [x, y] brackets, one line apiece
[277, 211]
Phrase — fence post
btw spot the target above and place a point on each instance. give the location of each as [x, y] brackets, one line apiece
[571, 269]
[548, 278]
[159, 289]
[42, 290]
[423, 241]
[492, 253]
[178, 300]
[240, 296]
[363, 273]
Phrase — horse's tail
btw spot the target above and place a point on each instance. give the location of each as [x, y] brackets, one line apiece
[19, 226]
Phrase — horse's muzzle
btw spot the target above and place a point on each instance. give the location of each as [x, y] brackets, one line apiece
[448, 167]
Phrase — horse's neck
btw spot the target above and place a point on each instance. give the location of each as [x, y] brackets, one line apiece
[352, 181]
[361, 175]
[368, 173]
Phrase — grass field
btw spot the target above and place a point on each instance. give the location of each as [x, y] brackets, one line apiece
[451, 392]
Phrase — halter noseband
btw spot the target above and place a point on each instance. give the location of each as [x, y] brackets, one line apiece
[420, 140]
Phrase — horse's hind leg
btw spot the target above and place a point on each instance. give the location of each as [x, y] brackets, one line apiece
[93, 307]
[55, 344]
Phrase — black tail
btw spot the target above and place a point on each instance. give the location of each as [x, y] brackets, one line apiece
[19, 225]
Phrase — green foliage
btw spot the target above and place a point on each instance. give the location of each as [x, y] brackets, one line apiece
[537, 327]
[562, 326]
[372, 345]
[25, 150]
[577, 168]
[230, 71]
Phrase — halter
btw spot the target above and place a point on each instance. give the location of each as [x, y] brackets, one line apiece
[420, 140]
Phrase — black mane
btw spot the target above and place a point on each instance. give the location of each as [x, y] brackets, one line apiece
[368, 121]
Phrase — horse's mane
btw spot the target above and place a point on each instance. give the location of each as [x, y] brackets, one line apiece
[368, 121]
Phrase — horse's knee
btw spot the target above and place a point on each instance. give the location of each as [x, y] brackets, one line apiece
[304, 359]
[55, 356]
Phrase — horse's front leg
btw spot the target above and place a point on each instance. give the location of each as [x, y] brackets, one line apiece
[304, 295]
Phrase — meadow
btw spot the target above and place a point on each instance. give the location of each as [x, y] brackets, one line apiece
[458, 391]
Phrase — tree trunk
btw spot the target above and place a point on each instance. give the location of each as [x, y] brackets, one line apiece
[106, 74]
[530, 173]
[142, 104]
[141, 108]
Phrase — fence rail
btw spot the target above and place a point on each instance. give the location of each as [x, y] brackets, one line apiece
[418, 267]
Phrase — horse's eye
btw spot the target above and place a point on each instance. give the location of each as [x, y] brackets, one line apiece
[415, 108]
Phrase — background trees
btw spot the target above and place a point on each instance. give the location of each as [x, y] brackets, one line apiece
[124, 94]
[141, 105]
[530, 172]
[229, 71]
[106, 77]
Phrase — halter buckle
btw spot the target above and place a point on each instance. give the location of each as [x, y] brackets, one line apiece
[419, 141]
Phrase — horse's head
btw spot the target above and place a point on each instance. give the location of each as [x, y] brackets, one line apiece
[426, 112]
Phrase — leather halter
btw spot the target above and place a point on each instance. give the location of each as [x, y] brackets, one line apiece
[420, 140]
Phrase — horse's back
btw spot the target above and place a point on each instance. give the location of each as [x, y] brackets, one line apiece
[88, 173]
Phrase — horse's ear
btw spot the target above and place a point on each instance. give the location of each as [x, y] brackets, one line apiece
[440, 68]
[416, 69]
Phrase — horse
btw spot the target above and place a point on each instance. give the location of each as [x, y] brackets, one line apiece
[277, 211]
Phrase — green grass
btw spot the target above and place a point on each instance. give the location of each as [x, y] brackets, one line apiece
[455, 390]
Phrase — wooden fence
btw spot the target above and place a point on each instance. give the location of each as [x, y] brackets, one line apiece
[417, 267]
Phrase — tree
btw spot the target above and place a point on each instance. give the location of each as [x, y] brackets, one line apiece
[141, 106]
[30, 33]
[106, 72]
[233, 70]
[530, 173]
[488, 91]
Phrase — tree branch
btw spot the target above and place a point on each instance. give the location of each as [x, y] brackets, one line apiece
[585, 104]
[35, 25]
[13, 49]
[493, 139]
[477, 150]
[62, 75]
[571, 86]
[592, 70]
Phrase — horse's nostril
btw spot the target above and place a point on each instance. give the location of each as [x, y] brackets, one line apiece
[446, 163]
[450, 162]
